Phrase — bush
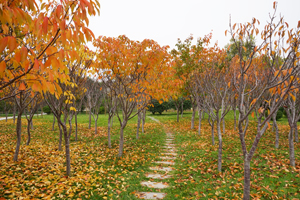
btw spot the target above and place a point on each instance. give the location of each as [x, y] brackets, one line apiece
[279, 115]
[47, 110]
[101, 110]
[157, 107]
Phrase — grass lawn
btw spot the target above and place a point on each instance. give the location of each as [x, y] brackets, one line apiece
[98, 173]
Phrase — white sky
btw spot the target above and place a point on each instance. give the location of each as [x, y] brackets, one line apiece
[166, 20]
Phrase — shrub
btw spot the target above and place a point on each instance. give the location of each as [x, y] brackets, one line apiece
[47, 110]
[101, 110]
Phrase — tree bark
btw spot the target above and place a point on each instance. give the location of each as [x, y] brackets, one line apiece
[76, 126]
[247, 173]
[193, 118]
[53, 123]
[200, 119]
[28, 132]
[138, 125]
[296, 132]
[291, 148]
[18, 131]
[178, 114]
[220, 146]
[67, 149]
[96, 125]
[60, 137]
[14, 116]
[234, 118]
[143, 120]
[108, 132]
[90, 119]
[223, 125]
[276, 131]
[121, 141]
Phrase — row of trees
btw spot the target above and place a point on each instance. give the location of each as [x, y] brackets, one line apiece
[255, 79]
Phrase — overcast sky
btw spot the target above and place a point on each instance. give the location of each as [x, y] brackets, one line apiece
[166, 20]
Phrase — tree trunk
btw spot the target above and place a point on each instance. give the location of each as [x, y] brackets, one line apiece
[6, 113]
[193, 118]
[90, 119]
[212, 132]
[247, 173]
[234, 118]
[60, 137]
[96, 125]
[76, 126]
[14, 116]
[291, 148]
[200, 119]
[108, 132]
[67, 149]
[276, 131]
[143, 120]
[31, 124]
[223, 126]
[53, 122]
[178, 114]
[18, 131]
[296, 132]
[112, 121]
[138, 125]
[28, 132]
[181, 109]
[121, 141]
[220, 146]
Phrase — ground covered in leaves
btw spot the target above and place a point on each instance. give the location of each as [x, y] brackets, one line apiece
[98, 173]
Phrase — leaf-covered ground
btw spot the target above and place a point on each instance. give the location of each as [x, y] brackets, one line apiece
[197, 176]
[97, 172]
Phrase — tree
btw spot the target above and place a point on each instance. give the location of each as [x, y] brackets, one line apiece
[267, 51]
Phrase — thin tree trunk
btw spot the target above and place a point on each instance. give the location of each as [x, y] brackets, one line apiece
[6, 115]
[296, 132]
[291, 148]
[112, 121]
[60, 137]
[28, 132]
[223, 126]
[193, 118]
[181, 109]
[90, 119]
[18, 131]
[121, 141]
[67, 149]
[138, 125]
[247, 173]
[200, 119]
[96, 125]
[234, 119]
[143, 120]
[53, 122]
[108, 131]
[276, 132]
[31, 124]
[76, 126]
[14, 116]
[212, 132]
[220, 145]
[178, 114]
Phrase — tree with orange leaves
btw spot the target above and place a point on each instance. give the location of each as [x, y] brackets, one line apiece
[278, 80]
[129, 70]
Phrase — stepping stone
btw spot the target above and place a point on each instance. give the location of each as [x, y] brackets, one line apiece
[158, 176]
[164, 162]
[169, 139]
[167, 147]
[167, 158]
[150, 195]
[170, 150]
[158, 185]
[171, 154]
[166, 169]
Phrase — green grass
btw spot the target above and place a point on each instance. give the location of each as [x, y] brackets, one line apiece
[98, 173]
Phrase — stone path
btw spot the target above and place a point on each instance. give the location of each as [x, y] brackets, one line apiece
[4, 118]
[164, 166]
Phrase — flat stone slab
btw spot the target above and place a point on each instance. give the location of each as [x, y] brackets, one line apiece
[166, 169]
[167, 147]
[158, 176]
[158, 185]
[164, 162]
[171, 154]
[170, 150]
[167, 158]
[150, 195]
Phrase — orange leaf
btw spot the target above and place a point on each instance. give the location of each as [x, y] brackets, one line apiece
[18, 56]
[36, 64]
[3, 43]
[12, 43]
[22, 86]
[24, 53]
[2, 67]
[252, 114]
[45, 25]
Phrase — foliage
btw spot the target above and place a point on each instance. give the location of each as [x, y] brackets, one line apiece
[46, 109]
[101, 110]
[156, 106]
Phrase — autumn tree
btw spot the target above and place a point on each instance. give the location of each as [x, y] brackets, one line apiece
[270, 47]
